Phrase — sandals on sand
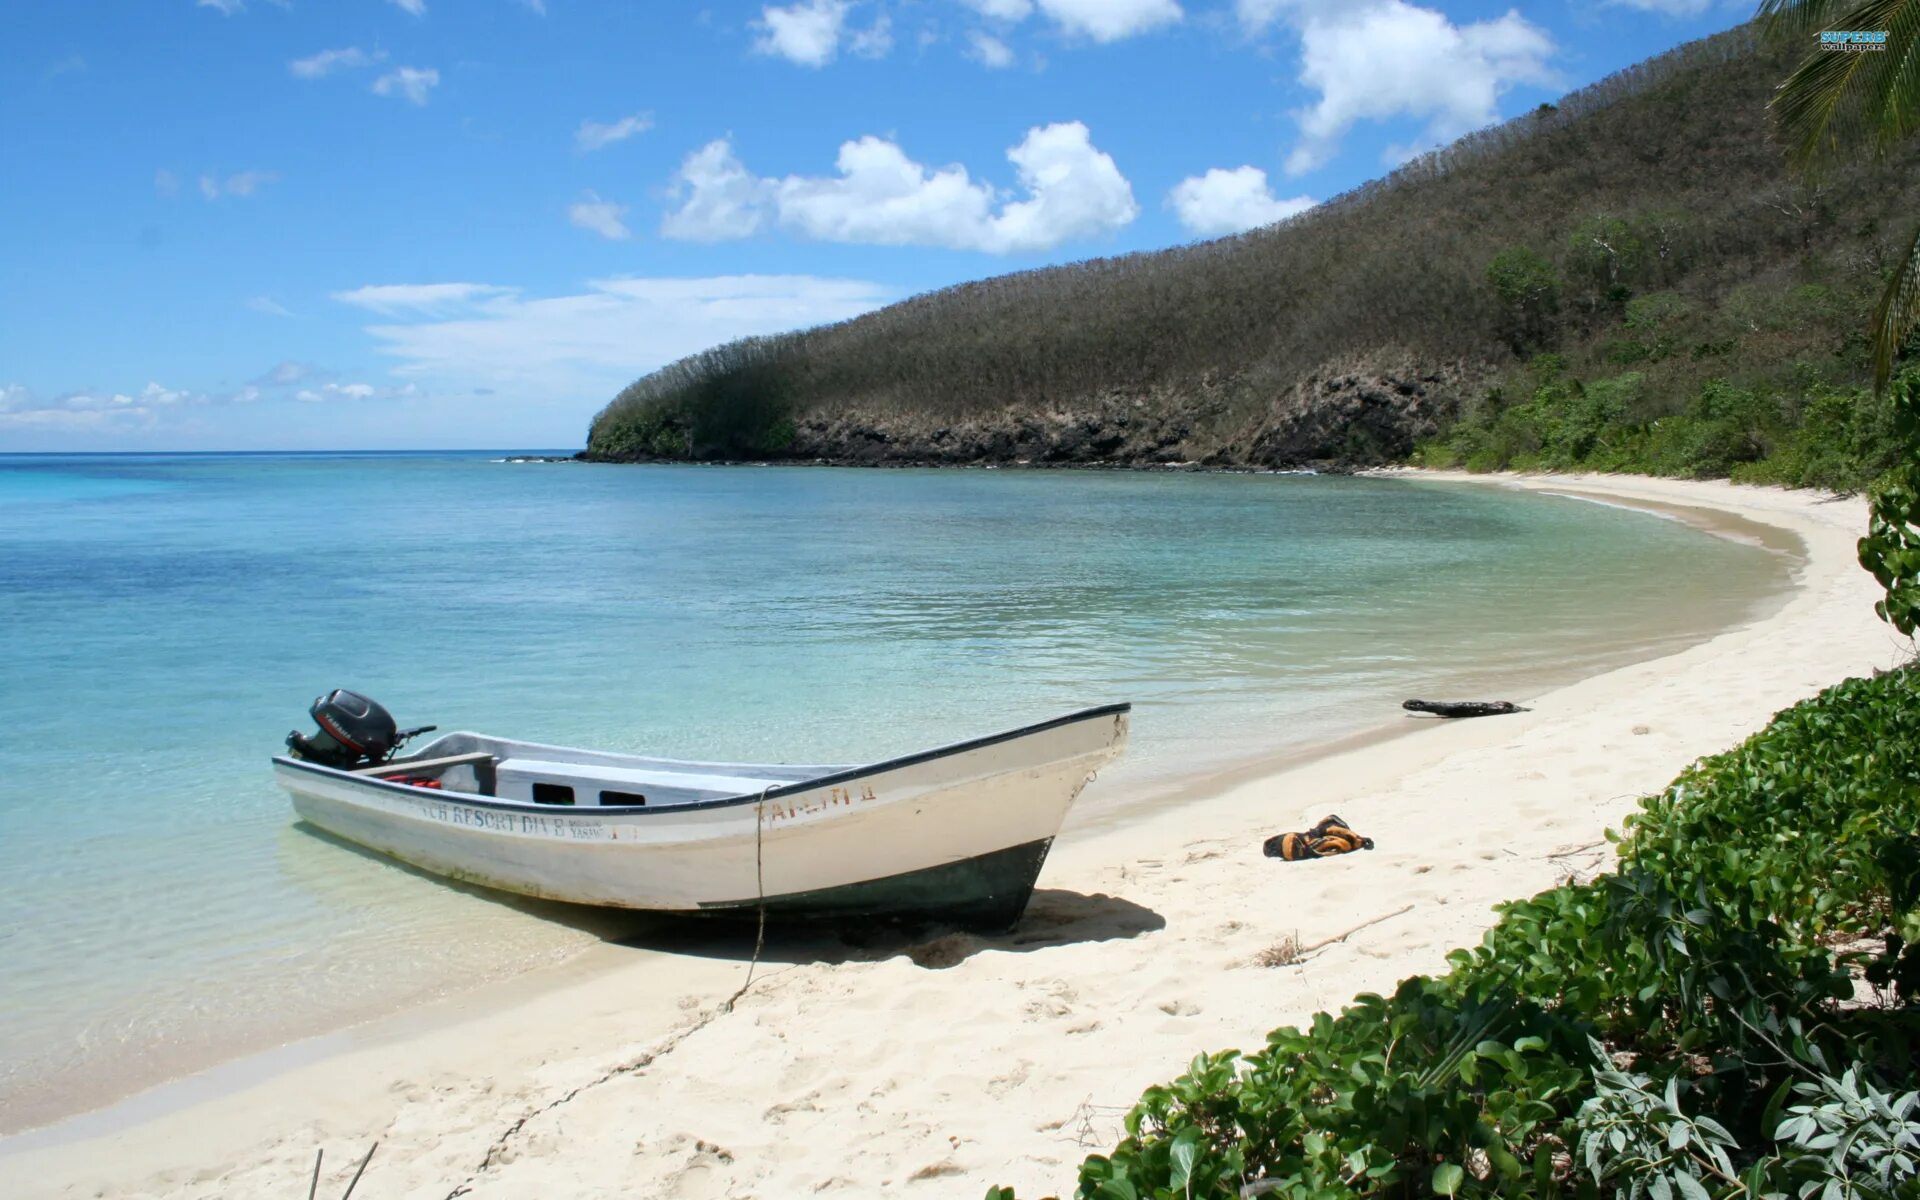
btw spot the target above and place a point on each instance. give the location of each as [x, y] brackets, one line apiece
[1329, 837]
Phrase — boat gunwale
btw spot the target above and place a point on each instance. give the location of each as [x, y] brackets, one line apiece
[476, 800]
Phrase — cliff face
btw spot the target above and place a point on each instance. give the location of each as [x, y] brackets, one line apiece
[1350, 420]
[1646, 225]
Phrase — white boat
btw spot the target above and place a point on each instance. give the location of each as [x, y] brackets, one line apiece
[957, 834]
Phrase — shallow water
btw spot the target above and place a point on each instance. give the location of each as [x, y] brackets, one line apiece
[169, 618]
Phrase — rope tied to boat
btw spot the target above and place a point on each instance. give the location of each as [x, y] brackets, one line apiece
[760, 895]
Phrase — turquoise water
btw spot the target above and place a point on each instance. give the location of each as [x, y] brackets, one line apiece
[169, 618]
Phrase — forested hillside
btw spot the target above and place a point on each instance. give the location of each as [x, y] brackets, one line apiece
[1631, 278]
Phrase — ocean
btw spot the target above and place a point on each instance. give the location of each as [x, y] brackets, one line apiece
[169, 618]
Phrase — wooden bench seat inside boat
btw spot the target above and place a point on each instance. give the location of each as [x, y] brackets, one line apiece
[423, 766]
[534, 779]
[480, 760]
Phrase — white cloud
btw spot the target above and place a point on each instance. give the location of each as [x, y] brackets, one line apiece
[1002, 10]
[326, 62]
[247, 182]
[335, 391]
[882, 197]
[1672, 8]
[1222, 202]
[718, 199]
[1076, 191]
[242, 184]
[413, 8]
[596, 341]
[988, 50]
[168, 411]
[155, 394]
[537, 6]
[268, 305]
[419, 299]
[88, 411]
[811, 33]
[1256, 15]
[875, 41]
[166, 183]
[1110, 20]
[285, 374]
[1099, 20]
[227, 8]
[601, 216]
[1387, 58]
[592, 135]
[807, 33]
[412, 83]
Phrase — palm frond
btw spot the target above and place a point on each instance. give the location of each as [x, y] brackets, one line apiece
[1817, 109]
[1896, 95]
[1791, 18]
[1897, 314]
[1838, 101]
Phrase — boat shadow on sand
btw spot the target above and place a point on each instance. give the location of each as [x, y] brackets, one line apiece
[1053, 917]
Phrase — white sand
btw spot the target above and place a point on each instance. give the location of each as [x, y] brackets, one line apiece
[943, 1067]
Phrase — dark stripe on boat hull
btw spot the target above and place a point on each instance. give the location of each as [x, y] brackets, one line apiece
[988, 893]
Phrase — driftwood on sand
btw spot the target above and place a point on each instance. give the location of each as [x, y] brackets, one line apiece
[1463, 708]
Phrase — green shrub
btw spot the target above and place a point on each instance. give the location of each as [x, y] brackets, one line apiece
[1528, 290]
[1891, 549]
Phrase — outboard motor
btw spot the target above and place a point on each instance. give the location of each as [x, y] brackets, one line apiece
[354, 732]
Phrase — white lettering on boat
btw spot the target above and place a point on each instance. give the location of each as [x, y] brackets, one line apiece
[836, 797]
[569, 829]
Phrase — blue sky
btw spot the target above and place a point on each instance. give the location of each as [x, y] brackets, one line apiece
[253, 224]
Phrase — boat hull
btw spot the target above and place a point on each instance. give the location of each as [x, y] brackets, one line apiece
[958, 834]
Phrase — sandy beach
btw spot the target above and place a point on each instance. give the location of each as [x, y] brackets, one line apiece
[943, 1066]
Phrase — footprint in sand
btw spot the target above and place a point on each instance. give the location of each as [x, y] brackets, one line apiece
[777, 1114]
[1000, 1085]
[937, 1170]
[1057, 1000]
[703, 1174]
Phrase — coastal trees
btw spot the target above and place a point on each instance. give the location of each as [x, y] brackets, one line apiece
[1529, 292]
[1846, 101]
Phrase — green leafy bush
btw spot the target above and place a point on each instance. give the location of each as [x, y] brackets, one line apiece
[1891, 549]
[1807, 434]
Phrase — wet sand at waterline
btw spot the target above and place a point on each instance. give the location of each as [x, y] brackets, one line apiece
[955, 1062]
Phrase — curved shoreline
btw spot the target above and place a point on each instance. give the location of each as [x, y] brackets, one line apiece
[982, 1060]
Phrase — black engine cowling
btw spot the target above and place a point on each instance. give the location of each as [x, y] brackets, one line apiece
[354, 731]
